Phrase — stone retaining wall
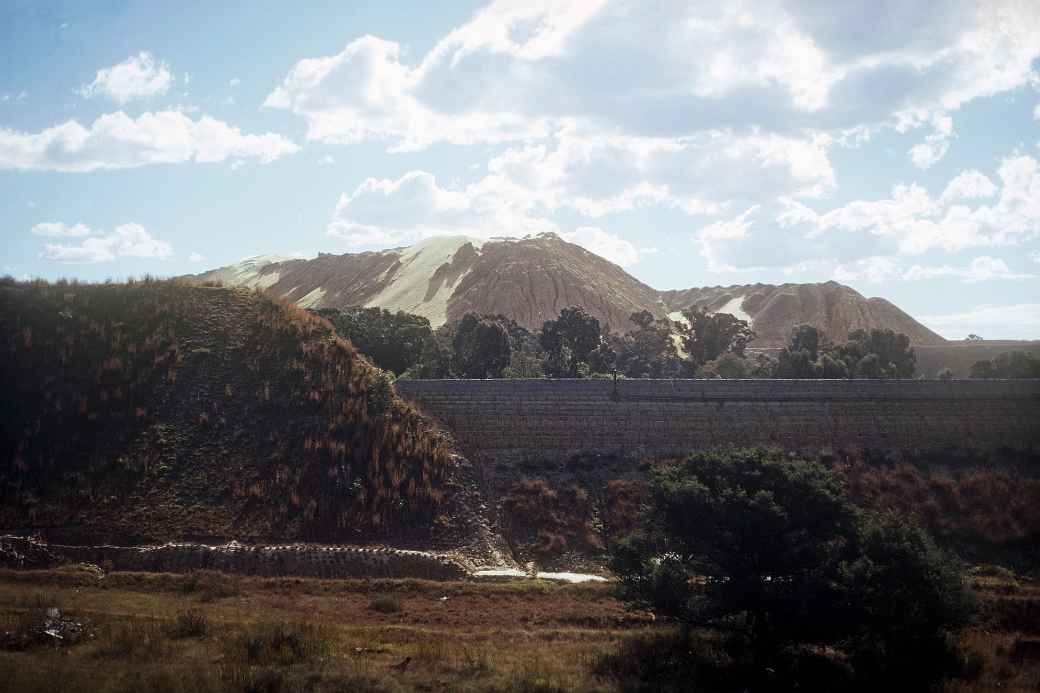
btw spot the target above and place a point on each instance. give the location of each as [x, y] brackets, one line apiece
[299, 560]
[661, 416]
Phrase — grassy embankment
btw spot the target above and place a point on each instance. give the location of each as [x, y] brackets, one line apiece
[211, 632]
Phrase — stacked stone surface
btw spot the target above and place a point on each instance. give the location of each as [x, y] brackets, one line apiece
[668, 416]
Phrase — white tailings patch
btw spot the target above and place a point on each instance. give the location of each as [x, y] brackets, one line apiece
[311, 298]
[734, 307]
[407, 290]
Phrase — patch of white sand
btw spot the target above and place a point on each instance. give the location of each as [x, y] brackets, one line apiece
[501, 573]
[311, 298]
[248, 272]
[571, 577]
[677, 316]
[407, 290]
[734, 307]
[514, 574]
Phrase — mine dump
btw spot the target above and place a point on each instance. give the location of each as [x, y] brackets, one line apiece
[505, 347]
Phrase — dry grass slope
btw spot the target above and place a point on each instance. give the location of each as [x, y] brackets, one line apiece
[158, 410]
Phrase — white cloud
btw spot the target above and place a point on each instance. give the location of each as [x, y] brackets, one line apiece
[968, 185]
[1013, 321]
[10, 97]
[517, 70]
[712, 236]
[327, 160]
[57, 229]
[127, 240]
[980, 269]
[196, 257]
[597, 175]
[116, 140]
[925, 154]
[916, 222]
[415, 206]
[138, 76]
[608, 245]
[234, 82]
[875, 270]
[973, 211]
[1036, 112]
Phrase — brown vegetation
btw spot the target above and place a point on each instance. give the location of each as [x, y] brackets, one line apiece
[142, 632]
[157, 410]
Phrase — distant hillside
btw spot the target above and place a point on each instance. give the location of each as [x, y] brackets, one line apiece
[157, 411]
[959, 357]
[773, 310]
[530, 280]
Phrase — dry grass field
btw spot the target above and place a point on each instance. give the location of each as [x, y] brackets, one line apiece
[213, 632]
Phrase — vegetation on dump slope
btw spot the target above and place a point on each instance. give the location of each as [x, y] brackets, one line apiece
[157, 410]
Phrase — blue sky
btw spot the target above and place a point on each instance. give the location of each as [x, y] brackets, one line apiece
[892, 146]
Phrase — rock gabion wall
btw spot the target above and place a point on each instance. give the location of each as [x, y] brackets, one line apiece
[663, 416]
[298, 560]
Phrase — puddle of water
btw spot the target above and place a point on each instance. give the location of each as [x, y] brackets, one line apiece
[571, 577]
[512, 573]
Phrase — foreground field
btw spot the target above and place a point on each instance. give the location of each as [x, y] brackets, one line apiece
[212, 632]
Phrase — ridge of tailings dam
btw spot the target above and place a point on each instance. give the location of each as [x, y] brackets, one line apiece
[533, 417]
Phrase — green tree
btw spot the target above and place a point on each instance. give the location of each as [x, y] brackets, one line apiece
[877, 354]
[907, 598]
[649, 350]
[481, 347]
[1012, 364]
[524, 364]
[393, 341]
[568, 342]
[769, 548]
[809, 339]
[742, 534]
[706, 336]
[728, 366]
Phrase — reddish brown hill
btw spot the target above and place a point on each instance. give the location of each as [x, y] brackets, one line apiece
[158, 411]
[530, 280]
[832, 307]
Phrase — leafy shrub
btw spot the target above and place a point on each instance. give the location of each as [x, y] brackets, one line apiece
[138, 639]
[385, 604]
[192, 623]
[282, 644]
[768, 547]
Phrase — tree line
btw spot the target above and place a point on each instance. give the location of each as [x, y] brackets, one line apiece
[576, 345]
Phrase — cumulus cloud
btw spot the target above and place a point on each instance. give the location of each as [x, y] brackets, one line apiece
[126, 240]
[876, 269]
[196, 258]
[415, 206]
[968, 185]
[611, 246]
[714, 235]
[925, 154]
[675, 69]
[117, 140]
[980, 269]
[57, 229]
[973, 211]
[882, 269]
[138, 76]
[1014, 321]
[597, 174]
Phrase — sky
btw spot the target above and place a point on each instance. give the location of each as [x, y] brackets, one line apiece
[890, 145]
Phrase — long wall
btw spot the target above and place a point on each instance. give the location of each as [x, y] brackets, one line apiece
[533, 417]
